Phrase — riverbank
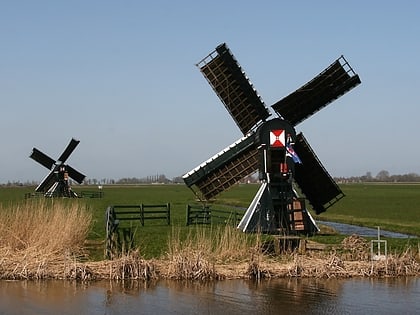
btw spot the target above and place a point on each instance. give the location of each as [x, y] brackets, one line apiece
[136, 268]
[48, 240]
[195, 265]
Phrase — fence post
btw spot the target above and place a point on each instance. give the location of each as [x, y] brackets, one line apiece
[142, 214]
[111, 228]
[168, 213]
[188, 214]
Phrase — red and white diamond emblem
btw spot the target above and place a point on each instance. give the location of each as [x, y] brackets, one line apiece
[277, 138]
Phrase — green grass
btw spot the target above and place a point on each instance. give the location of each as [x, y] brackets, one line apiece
[394, 207]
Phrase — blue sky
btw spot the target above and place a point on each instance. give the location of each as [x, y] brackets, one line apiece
[120, 76]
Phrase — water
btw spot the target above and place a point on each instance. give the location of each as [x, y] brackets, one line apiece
[349, 229]
[276, 296]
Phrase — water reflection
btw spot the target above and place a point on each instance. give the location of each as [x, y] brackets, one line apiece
[275, 296]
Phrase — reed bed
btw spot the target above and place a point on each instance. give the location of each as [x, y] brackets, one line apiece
[45, 239]
[351, 259]
[195, 257]
[128, 266]
[333, 266]
[200, 256]
[38, 239]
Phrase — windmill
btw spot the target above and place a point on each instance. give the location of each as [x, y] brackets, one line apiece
[271, 146]
[56, 183]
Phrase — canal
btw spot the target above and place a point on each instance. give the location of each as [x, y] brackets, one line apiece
[273, 296]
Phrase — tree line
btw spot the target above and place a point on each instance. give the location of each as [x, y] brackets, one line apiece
[382, 176]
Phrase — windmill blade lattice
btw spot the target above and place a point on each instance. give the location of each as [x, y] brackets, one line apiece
[234, 89]
[225, 169]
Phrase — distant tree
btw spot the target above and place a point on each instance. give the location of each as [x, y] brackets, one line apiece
[162, 179]
[177, 180]
[366, 178]
[383, 176]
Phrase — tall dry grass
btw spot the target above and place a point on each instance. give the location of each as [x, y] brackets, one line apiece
[214, 254]
[38, 236]
[194, 257]
[45, 238]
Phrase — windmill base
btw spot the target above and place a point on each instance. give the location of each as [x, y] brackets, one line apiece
[282, 218]
[61, 189]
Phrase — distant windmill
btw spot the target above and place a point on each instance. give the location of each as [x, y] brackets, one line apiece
[56, 183]
[271, 146]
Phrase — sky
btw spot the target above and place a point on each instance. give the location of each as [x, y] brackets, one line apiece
[121, 77]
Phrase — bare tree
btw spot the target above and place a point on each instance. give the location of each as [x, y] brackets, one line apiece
[383, 176]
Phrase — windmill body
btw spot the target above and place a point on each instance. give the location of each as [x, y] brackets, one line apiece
[271, 146]
[57, 181]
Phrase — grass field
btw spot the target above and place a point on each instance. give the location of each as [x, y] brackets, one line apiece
[394, 207]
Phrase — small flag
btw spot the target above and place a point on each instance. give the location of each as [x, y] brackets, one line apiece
[290, 152]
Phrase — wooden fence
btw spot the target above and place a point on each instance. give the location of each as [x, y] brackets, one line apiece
[117, 213]
[208, 215]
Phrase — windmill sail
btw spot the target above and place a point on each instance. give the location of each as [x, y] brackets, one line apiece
[334, 81]
[313, 179]
[69, 150]
[224, 169]
[234, 89]
[42, 158]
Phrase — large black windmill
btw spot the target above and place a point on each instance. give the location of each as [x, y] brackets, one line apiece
[56, 183]
[271, 146]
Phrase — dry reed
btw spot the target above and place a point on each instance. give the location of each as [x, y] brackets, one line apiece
[195, 257]
[128, 266]
[355, 247]
[39, 238]
[45, 239]
[255, 269]
[353, 261]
